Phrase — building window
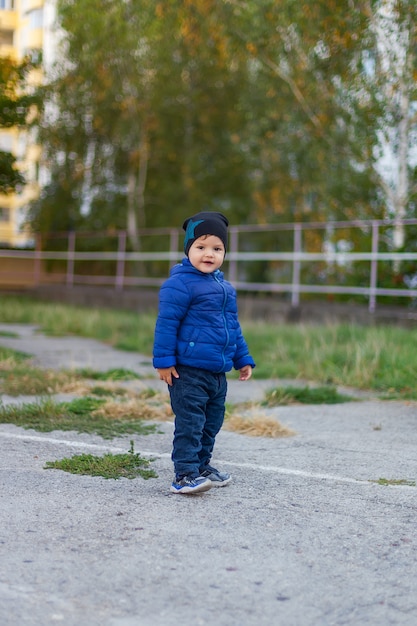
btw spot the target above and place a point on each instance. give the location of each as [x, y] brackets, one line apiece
[36, 18]
[34, 54]
[6, 142]
[8, 5]
[4, 214]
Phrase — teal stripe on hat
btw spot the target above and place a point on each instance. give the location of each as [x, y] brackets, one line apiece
[190, 232]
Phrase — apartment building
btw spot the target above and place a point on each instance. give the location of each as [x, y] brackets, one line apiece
[26, 28]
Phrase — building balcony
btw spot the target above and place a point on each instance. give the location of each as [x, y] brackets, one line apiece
[30, 5]
[8, 20]
[35, 38]
[6, 232]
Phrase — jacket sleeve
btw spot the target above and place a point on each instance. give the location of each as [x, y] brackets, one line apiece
[174, 300]
[242, 356]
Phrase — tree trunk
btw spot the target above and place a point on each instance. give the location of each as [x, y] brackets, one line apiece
[403, 159]
[136, 184]
[132, 224]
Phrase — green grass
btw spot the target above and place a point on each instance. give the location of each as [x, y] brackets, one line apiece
[378, 358]
[6, 354]
[401, 394]
[25, 380]
[124, 330]
[5, 333]
[394, 482]
[115, 374]
[103, 391]
[304, 395]
[81, 415]
[129, 465]
[18, 378]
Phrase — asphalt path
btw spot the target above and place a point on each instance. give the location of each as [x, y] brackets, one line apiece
[304, 535]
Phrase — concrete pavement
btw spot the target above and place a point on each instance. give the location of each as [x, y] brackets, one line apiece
[303, 536]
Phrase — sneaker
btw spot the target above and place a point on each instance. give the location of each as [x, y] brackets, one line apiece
[218, 479]
[188, 484]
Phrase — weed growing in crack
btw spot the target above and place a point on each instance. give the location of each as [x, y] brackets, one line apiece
[129, 465]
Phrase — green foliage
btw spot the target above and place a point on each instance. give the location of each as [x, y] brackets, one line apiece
[313, 144]
[10, 177]
[82, 406]
[130, 465]
[15, 105]
[14, 102]
[104, 391]
[266, 110]
[112, 374]
[156, 114]
[305, 395]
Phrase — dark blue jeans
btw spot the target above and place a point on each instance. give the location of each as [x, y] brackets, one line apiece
[198, 402]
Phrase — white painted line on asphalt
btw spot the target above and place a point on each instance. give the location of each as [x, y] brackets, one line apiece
[294, 472]
[165, 455]
[63, 442]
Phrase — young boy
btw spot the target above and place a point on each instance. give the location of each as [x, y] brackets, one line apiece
[197, 339]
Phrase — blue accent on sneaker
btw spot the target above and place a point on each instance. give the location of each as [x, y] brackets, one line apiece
[190, 484]
[218, 479]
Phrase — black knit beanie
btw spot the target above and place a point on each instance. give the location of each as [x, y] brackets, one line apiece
[205, 223]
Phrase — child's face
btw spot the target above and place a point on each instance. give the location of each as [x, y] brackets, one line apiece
[207, 253]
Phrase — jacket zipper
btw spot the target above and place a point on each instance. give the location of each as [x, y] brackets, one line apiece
[224, 318]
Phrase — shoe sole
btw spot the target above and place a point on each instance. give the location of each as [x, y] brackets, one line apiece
[218, 483]
[191, 490]
[221, 483]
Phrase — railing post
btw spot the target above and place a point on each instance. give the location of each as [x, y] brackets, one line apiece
[374, 267]
[234, 248]
[121, 258]
[296, 268]
[70, 259]
[37, 260]
[173, 244]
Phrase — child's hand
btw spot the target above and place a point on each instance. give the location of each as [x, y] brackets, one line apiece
[166, 374]
[245, 372]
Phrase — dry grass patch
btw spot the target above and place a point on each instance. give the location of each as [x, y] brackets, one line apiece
[24, 380]
[257, 426]
[18, 378]
[7, 363]
[85, 387]
[144, 406]
[81, 415]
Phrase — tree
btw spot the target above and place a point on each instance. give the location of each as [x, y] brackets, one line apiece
[15, 105]
[267, 111]
[97, 117]
[312, 141]
[391, 79]
[339, 84]
[147, 126]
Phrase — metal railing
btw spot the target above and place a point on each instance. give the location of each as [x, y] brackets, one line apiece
[299, 258]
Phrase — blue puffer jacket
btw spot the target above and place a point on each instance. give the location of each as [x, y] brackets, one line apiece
[198, 322]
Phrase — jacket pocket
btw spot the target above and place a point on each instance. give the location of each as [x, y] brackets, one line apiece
[188, 342]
